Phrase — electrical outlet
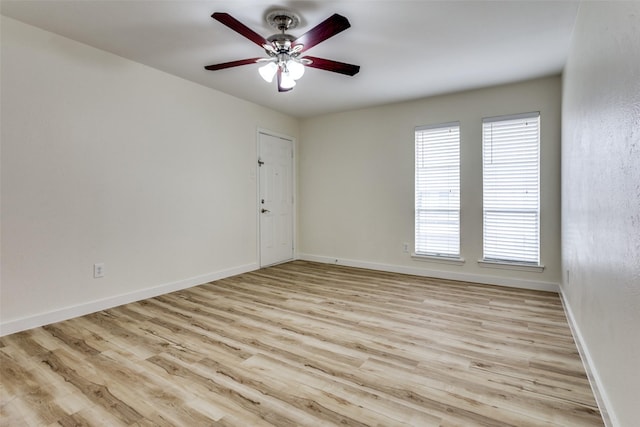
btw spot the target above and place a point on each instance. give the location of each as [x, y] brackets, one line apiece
[98, 270]
[405, 248]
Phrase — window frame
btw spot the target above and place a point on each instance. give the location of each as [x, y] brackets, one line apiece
[509, 207]
[441, 212]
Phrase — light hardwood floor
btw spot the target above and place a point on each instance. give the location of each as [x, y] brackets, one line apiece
[305, 344]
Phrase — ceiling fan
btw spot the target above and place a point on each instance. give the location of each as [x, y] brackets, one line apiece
[284, 52]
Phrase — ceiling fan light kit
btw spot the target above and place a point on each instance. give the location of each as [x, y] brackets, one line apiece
[284, 51]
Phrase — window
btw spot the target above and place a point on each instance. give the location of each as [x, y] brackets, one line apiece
[511, 188]
[437, 188]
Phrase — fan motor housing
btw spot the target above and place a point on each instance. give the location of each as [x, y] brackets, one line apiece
[281, 39]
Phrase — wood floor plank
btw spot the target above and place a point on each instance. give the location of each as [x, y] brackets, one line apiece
[305, 344]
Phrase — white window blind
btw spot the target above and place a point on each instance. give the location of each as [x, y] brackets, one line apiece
[511, 188]
[437, 190]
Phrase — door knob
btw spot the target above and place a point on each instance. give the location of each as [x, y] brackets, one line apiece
[265, 210]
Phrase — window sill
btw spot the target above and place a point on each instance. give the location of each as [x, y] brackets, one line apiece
[438, 259]
[511, 266]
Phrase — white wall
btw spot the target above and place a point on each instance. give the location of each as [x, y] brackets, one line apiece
[106, 160]
[601, 198]
[356, 172]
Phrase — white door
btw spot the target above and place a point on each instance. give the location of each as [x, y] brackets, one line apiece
[275, 203]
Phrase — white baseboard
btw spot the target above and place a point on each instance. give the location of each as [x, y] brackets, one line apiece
[604, 404]
[438, 274]
[65, 313]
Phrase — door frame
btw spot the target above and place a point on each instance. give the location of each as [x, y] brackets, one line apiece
[294, 190]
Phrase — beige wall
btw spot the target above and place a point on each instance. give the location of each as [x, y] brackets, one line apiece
[601, 198]
[357, 178]
[106, 160]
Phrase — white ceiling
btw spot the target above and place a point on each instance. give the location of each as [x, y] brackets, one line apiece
[406, 49]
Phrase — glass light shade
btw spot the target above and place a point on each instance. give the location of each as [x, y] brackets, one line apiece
[268, 71]
[286, 82]
[296, 69]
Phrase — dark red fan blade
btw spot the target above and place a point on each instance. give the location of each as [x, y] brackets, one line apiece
[231, 64]
[239, 28]
[326, 29]
[335, 66]
[280, 88]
